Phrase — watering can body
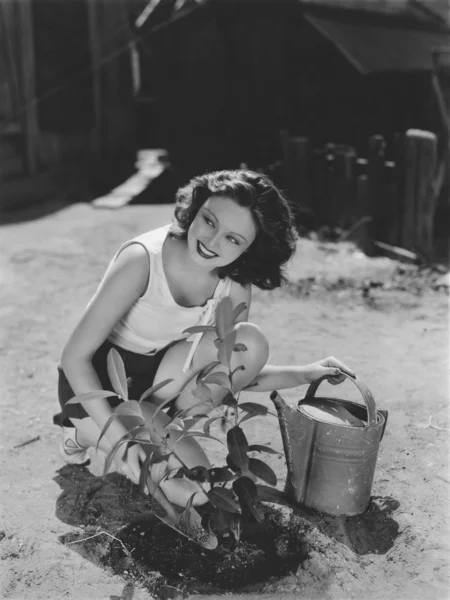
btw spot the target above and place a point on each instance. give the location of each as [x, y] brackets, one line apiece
[331, 447]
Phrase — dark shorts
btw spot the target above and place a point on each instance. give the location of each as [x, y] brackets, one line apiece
[140, 368]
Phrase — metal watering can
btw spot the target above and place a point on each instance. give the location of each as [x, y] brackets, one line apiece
[331, 447]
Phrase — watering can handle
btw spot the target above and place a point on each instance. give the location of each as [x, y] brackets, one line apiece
[362, 387]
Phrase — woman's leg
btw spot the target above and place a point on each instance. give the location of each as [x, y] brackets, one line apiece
[177, 491]
[253, 360]
[188, 450]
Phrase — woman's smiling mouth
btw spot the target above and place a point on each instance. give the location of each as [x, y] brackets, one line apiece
[204, 252]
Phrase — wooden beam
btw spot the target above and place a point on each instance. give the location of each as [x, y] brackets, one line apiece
[28, 76]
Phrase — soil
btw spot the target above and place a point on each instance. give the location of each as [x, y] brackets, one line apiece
[66, 532]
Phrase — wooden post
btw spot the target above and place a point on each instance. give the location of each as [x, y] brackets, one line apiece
[296, 169]
[319, 188]
[95, 35]
[28, 73]
[399, 182]
[388, 220]
[342, 186]
[375, 185]
[419, 199]
[362, 236]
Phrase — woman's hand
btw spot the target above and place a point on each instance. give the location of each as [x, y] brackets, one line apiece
[331, 367]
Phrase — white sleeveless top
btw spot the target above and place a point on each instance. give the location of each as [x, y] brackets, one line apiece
[155, 319]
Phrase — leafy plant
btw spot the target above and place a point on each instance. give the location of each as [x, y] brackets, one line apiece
[234, 490]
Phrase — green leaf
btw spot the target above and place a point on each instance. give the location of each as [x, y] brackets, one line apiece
[202, 435]
[209, 422]
[130, 408]
[238, 368]
[163, 405]
[240, 348]
[89, 396]
[224, 522]
[233, 466]
[187, 513]
[219, 378]
[180, 473]
[198, 411]
[260, 448]
[254, 407]
[200, 395]
[237, 310]
[220, 475]
[236, 440]
[224, 499]
[229, 400]
[144, 473]
[200, 474]
[204, 389]
[270, 494]
[226, 349]
[238, 447]
[155, 388]
[116, 372]
[263, 471]
[199, 329]
[159, 454]
[134, 431]
[224, 317]
[111, 453]
[207, 369]
[250, 415]
[176, 424]
[248, 496]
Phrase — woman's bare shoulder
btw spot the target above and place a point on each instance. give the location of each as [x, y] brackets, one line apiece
[131, 266]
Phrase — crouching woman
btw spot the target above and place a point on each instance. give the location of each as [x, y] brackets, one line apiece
[231, 230]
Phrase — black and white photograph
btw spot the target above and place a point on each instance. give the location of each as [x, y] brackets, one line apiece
[224, 299]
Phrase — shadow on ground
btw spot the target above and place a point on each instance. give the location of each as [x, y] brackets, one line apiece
[118, 531]
[373, 532]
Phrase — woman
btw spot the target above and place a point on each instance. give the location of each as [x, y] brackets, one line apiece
[231, 230]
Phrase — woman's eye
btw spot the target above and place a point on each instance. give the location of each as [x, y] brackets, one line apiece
[208, 222]
[233, 240]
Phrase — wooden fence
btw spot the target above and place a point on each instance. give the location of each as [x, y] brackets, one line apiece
[383, 202]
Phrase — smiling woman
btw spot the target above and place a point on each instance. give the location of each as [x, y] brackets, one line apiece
[245, 209]
[231, 230]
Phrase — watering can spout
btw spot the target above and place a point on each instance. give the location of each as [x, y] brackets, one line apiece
[278, 401]
[287, 421]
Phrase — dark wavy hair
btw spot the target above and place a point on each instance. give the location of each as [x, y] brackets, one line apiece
[261, 264]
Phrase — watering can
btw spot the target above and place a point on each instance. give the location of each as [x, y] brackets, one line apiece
[331, 447]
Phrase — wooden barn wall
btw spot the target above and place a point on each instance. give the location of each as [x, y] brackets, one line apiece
[227, 83]
[10, 61]
[83, 82]
[113, 86]
[227, 79]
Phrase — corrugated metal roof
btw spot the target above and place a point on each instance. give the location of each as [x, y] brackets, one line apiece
[371, 48]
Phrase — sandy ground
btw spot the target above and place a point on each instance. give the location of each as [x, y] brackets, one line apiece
[397, 342]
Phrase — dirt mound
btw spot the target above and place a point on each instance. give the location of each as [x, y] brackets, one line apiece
[290, 550]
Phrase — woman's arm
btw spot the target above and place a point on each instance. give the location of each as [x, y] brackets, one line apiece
[273, 377]
[124, 283]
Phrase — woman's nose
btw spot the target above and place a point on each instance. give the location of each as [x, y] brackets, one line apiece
[213, 240]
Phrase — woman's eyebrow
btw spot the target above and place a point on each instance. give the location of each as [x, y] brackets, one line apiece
[217, 220]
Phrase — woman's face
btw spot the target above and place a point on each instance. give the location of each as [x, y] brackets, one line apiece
[221, 231]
